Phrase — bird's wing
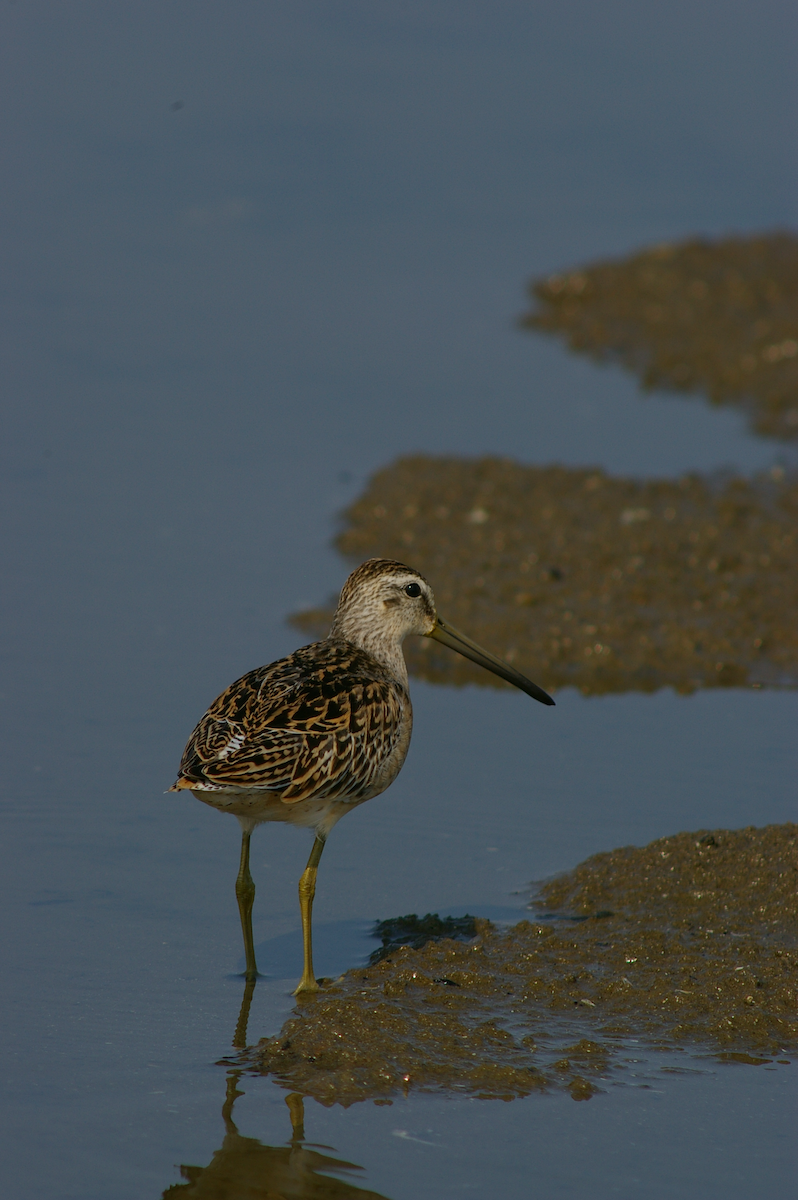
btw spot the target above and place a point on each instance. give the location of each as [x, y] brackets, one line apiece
[312, 725]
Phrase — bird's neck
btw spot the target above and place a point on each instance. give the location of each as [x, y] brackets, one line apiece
[381, 645]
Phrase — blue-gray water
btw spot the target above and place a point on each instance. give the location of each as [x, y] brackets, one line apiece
[219, 319]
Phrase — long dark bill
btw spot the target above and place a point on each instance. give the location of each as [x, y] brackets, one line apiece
[455, 640]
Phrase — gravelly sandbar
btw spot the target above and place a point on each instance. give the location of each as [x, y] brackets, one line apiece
[582, 579]
[690, 942]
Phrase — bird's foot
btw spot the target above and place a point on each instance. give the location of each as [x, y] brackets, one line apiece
[307, 984]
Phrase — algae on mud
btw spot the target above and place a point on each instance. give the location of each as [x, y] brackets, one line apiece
[587, 580]
[699, 316]
[690, 942]
[414, 931]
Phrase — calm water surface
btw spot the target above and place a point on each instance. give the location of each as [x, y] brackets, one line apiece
[254, 253]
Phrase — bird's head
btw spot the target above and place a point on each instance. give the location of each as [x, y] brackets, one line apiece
[383, 601]
[386, 600]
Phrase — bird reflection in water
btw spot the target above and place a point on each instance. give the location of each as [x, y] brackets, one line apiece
[244, 1167]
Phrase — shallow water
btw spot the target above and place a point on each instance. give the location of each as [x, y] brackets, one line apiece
[224, 317]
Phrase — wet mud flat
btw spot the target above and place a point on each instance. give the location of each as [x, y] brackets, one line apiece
[690, 942]
[718, 317]
[582, 579]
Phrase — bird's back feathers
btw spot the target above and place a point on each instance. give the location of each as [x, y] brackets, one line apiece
[323, 722]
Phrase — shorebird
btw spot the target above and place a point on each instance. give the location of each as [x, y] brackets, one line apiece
[308, 738]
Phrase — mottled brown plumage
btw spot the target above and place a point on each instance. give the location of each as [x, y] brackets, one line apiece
[308, 738]
[318, 724]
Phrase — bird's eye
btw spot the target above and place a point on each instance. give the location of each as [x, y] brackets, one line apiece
[413, 590]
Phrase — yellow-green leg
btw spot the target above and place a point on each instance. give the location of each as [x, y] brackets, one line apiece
[245, 894]
[307, 890]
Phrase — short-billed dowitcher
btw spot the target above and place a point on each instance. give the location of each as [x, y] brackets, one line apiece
[308, 738]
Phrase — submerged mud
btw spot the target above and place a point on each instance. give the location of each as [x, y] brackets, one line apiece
[582, 579]
[690, 942]
[714, 317]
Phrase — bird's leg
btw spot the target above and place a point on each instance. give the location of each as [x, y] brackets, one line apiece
[307, 890]
[245, 894]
